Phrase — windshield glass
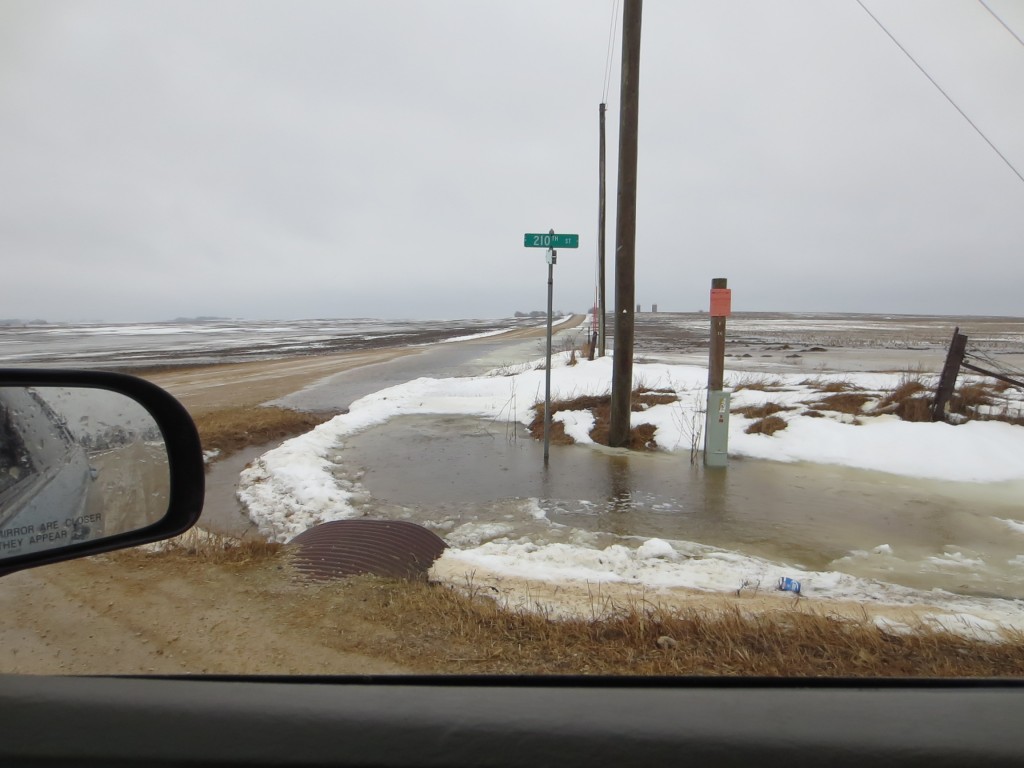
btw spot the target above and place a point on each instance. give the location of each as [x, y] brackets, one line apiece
[364, 245]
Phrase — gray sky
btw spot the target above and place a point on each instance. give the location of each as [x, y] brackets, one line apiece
[340, 159]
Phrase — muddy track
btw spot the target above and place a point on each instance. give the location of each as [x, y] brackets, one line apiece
[149, 614]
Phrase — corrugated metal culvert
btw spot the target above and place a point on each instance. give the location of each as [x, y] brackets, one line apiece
[394, 548]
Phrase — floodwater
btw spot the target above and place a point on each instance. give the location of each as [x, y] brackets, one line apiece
[471, 480]
[459, 473]
[222, 511]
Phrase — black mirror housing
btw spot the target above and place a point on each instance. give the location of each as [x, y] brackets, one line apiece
[183, 479]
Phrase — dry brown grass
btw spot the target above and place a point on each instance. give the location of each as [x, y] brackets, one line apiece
[831, 386]
[912, 401]
[641, 437]
[769, 425]
[842, 402]
[973, 401]
[968, 397]
[906, 389]
[441, 628]
[429, 627]
[757, 382]
[200, 546]
[760, 411]
[645, 398]
[915, 409]
[909, 400]
[231, 429]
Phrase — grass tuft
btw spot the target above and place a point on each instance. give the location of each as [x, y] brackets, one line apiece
[641, 436]
[905, 390]
[970, 396]
[230, 430]
[757, 383]
[767, 426]
[916, 409]
[760, 411]
[202, 546]
[843, 402]
[831, 386]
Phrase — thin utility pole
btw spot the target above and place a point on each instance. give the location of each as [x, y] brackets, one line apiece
[716, 422]
[625, 226]
[552, 260]
[600, 243]
[716, 348]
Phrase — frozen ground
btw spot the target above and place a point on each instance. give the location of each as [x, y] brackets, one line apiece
[304, 481]
[203, 342]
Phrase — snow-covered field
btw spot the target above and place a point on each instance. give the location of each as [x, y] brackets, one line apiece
[203, 341]
[297, 485]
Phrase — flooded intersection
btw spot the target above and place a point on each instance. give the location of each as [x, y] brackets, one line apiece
[472, 481]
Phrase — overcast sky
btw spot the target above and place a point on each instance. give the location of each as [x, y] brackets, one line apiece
[342, 159]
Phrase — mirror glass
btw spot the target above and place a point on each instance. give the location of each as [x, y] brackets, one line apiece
[76, 464]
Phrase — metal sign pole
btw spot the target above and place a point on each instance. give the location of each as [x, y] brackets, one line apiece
[551, 241]
[552, 259]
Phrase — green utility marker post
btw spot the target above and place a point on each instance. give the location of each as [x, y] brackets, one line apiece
[716, 425]
[549, 241]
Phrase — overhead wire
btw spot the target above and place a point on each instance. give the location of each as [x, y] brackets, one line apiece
[940, 89]
[610, 55]
[608, 68]
[1005, 25]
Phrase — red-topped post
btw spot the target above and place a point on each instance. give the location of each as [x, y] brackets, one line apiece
[716, 426]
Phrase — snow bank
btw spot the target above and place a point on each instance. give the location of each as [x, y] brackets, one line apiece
[295, 486]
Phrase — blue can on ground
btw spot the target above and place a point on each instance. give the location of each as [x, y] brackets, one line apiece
[787, 584]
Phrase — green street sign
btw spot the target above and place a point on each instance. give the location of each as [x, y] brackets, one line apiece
[548, 240]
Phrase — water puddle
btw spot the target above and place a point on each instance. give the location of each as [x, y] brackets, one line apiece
[222, 511]
[472, 481]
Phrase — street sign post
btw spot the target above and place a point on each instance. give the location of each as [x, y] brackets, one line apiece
[551, 241]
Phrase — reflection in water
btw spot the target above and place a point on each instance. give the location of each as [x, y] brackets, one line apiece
[620, 498]
[716, 495]
[450, 472]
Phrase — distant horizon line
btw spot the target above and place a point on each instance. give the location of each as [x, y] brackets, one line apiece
[20, 322]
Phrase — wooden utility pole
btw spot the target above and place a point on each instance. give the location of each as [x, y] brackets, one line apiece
[600, 241]
[950, 372]
[625, 226]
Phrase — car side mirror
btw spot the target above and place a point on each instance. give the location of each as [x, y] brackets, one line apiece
[91, 462]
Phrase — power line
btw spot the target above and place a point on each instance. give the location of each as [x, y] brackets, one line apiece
[610, 56]
[939, 87]
[1005, 25]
